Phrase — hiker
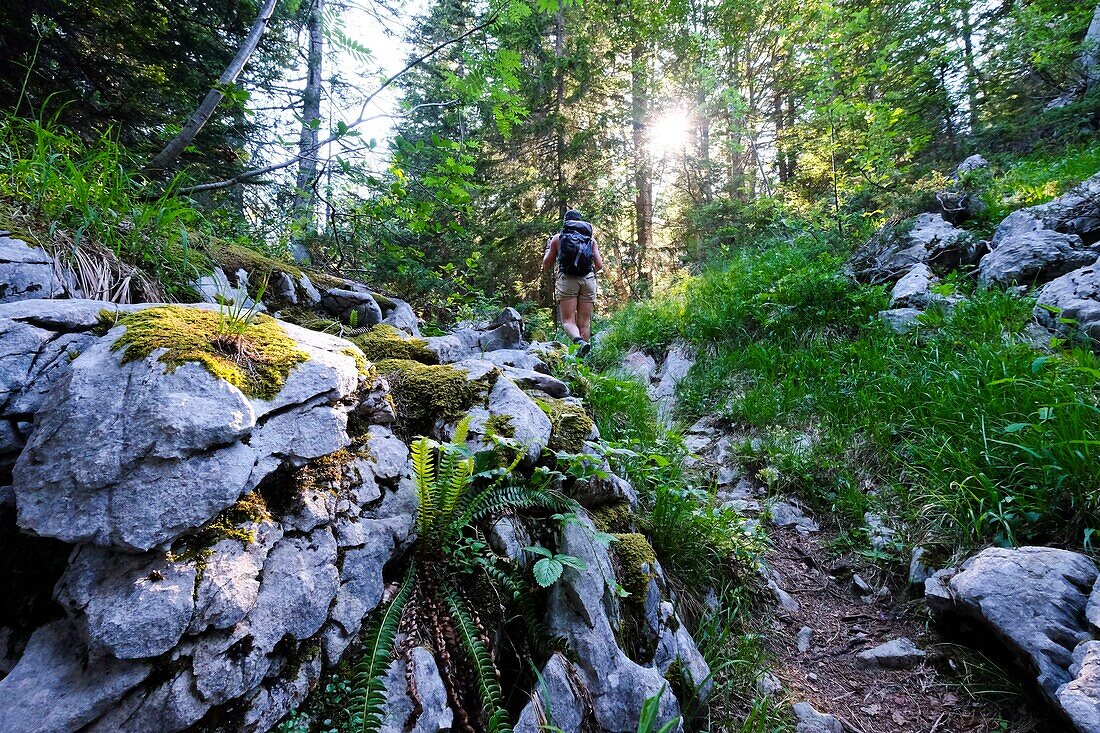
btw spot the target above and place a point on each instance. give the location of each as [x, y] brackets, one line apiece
[578, 260]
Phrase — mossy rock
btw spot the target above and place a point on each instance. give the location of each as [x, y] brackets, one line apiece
[383, 302]
[612, 518]
[570, 425]
[255, 355]
[424, 393]
[500, 425]
[638, 561]
[233, 257]
[386, 342]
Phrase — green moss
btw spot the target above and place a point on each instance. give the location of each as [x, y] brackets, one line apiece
[500, 425]
[360, 362]
[637, 561]
[235, 523]
[425, 393]
[612, 517]
[386, 342]
[256, 357]
[570, 425]
[383, 302]
[233, 257]
[323, 281]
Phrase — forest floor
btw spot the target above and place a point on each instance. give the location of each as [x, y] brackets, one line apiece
[952, 690]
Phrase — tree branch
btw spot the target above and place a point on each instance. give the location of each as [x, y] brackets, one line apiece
[248, 175]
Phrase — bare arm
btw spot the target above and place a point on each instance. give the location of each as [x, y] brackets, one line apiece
[551, 252]
[597, 261]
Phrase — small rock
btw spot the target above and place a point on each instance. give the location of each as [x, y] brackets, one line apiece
[811, 721]
[788, 515]
[900, 320]
[805, 635]
[769, 684]
[896, 654]
[862, 586]
[919, 571]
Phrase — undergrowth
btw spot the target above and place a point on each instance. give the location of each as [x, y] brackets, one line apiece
[961, 427]
[77, 196]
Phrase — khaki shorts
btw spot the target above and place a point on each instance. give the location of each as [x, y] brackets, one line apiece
[571, 286]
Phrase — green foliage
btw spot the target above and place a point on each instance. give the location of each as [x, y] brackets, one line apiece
[963, 430]
[81, 200]
[371, 671]
[549, 567]
[651, 708]
[1039, 177]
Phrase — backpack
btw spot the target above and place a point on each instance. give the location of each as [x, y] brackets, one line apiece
[575, 248]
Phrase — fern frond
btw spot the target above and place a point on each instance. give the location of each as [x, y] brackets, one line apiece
[485, 669]
[422, 451]
[371, 671]
[540, 639]
[494, 500]
[457, 485]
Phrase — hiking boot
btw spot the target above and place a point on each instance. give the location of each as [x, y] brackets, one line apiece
[585, 348]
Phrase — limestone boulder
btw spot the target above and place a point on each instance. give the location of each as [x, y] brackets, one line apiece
[583, 610]
[53, 687]
[675, 367]
[26, 272]
[1075, 297]
[1035, 256]
[128, 606]
[1075, 213]
[343, 303]
[1034, 600]
[926, 239]
[133, 455]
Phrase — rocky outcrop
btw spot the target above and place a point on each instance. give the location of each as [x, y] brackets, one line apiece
[1034, 600]
[226, 546]
[1035, 257]
[1071, 303]
[927, 239]
[471, 340]
[1040, 243]
[110, 433]
[26, 272]
[960, 202]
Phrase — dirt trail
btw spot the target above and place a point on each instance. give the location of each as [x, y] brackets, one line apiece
[919, 699]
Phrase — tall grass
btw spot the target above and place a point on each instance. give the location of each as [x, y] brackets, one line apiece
[961, 427]
[82, 196]
[1039, 177]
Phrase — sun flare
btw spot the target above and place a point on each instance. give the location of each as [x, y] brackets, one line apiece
[669, 132]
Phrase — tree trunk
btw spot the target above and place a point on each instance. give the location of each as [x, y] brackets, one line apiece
[172, 151]
[305, 203]
[559, 111]
[1090, 59]
[972, 79]
[643, 182]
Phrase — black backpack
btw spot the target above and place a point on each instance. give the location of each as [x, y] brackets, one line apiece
[575, 248]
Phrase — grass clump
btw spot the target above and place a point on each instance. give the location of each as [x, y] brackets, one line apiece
[425, 393]
[386, 342]
[570, 425]
[255, 356]
[82, 195]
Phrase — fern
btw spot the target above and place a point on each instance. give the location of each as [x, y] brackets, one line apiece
[423, 457]
[541, 641]
[488, 687]
[371, 671]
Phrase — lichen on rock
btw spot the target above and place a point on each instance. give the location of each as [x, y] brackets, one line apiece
[256, 357]
[386, 342]
[571, 425]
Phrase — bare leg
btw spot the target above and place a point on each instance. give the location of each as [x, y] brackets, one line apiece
[584, 319]
[568, 308]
